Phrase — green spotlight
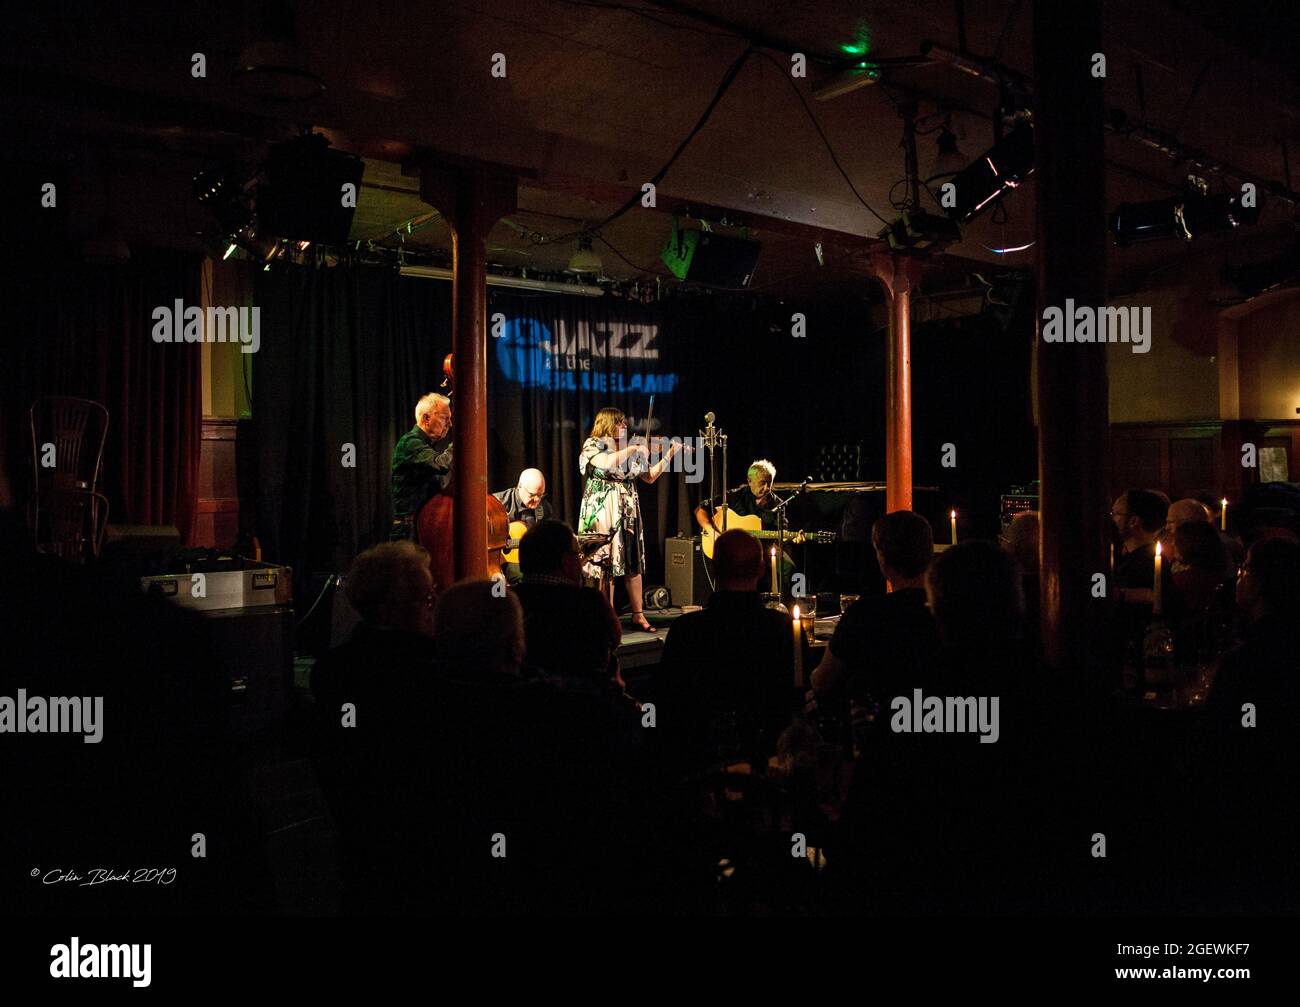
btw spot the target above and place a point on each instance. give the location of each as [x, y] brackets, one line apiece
[229, 252]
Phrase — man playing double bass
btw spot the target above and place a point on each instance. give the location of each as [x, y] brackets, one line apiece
[421, 463]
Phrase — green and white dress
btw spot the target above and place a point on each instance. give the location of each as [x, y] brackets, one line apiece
[609, 504]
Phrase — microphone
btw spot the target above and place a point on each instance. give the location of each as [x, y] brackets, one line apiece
[737, 489]
[803, 486]
[708, 419]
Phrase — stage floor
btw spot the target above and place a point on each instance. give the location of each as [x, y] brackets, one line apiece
[641, 650]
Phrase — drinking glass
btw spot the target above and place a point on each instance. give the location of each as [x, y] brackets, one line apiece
[808, 615]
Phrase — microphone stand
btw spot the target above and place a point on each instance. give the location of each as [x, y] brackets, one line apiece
[713, 438]
[779, 506]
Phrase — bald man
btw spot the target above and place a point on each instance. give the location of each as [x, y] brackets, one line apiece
[525, 502]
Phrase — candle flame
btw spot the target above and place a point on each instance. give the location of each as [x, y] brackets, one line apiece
[794, 614]
[953, 514]
[1224, 501]
[1158, 549]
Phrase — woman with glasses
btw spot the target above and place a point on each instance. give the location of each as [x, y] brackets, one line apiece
[611, 466]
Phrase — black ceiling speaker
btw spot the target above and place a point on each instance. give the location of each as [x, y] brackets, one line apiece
[718, 260]
[303, 199]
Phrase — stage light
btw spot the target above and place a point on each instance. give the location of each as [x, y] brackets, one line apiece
[230, 250]
[949, 160]
[1000, 168]
[862, 75]
[259, 247]
[920, 231]
[1187, 217]
[584, 260]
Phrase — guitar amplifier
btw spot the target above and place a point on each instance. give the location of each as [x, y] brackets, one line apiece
[684, 571]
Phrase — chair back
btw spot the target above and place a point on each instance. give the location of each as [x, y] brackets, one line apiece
[68, 437]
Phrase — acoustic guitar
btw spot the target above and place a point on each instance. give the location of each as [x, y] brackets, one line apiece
[516, 531]
[753, 524]
[587, 544]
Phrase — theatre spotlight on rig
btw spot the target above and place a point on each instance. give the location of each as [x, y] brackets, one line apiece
[986, 179]
[1189, 216]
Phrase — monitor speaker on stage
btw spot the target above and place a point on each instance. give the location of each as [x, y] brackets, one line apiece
[684, 573]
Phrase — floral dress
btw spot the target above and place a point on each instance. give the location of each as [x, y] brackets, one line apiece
[609, 504]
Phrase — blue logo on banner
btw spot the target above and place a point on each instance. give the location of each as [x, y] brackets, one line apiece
[527, 357]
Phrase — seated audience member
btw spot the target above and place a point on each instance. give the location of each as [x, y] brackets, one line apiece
[725, 680]
[375, 701]
[886, 645]
[391, 589]
[1232, 542]
[1199, 563]
[1022, 542]
[1180, 512]
[1250, 773]
[975, 594]
[1138, 517]
[571, 630]
[1265, 668]
[940, 821]
[548, 767]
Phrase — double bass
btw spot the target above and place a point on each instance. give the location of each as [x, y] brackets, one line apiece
[435, 528]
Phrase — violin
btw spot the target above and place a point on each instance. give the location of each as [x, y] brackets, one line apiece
[435, 527]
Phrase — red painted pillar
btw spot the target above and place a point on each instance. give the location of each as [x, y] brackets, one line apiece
[471, 198]
[898, 275]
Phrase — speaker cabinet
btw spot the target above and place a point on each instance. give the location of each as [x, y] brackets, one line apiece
[255, 647]
[684, 571]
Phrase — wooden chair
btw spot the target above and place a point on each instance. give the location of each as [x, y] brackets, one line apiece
[67, 514]
[70, 523]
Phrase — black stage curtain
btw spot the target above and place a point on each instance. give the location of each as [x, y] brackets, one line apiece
[346, 352]
[85, 330]
[345, 355]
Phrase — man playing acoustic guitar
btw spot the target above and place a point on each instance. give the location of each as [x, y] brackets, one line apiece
[754, 499]
[525, 505]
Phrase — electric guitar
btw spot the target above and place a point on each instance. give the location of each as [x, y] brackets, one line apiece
[753, 524]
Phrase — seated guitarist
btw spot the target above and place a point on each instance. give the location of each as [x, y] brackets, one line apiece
[525, 504]
[754, 498]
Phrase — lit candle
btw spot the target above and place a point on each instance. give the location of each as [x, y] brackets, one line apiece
[954, 527]
[1223, 514]
[1156, 609]
[798, 648]
[776, 588]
